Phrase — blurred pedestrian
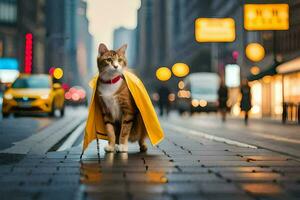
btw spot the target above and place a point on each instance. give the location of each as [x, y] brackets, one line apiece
[246, 99]
[164, 104]
[223, 97]
[2, 87]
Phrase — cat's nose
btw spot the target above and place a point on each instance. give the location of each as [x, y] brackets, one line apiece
[115, 66]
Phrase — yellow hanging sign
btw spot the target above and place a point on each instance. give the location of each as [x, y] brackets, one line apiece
[266, 17]
[215, 30]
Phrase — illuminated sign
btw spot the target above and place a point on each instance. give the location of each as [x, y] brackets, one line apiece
[28, 53]
[8, 70]
[232, 75]
[266, 16]
[215, 30]
[8, 63]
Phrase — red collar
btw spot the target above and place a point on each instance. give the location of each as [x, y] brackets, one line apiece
[112, 81]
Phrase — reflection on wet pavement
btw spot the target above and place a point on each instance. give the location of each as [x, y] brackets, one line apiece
[121, 167]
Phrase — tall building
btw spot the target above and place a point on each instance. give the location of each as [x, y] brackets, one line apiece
[126, 36]
[56, 55]
[18, 18]
[165, 35]
[144, 42]
[69, 40]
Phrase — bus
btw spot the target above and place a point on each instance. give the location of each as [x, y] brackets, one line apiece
[198, 93]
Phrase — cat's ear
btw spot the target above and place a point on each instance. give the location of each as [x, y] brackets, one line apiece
[102, 49]
[122, 50]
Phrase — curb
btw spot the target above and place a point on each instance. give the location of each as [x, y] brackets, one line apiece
[43, 141]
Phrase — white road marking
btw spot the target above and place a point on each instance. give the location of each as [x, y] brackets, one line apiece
[72, 138]
[207, 136]
[278, 138]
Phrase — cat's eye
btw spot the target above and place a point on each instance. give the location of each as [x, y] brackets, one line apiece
[120, 60]
[109, 60]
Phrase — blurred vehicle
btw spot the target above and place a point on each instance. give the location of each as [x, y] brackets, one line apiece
[76, 96]
[33, 94]
[199, 93]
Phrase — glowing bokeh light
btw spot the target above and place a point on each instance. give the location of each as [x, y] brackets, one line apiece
[180, 69]
[58, 73]
[255, 52]
[163, 74]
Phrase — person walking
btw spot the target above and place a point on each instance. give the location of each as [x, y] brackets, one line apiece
[246, 99]
[164, 105]
[222, 99]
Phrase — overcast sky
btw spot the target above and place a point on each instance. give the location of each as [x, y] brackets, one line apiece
[106, 15]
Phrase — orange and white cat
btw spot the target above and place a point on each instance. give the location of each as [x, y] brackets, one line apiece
[120, 113]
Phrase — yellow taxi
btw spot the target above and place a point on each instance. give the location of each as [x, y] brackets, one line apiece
[33, 94]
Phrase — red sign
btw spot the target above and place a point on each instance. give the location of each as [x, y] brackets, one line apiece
[28, 53]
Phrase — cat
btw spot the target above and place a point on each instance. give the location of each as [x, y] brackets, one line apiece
[119, 110]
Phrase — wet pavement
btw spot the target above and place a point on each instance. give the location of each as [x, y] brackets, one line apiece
[269, 134]
[181, 167]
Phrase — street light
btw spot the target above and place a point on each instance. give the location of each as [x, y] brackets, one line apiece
[180, 69]
[163, 74]
[255, 52]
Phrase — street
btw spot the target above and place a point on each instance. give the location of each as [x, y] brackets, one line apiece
[149, 100]
[262, 133]
[210, 160]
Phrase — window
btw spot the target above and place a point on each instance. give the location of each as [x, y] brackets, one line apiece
[32, 82]
[8, 11]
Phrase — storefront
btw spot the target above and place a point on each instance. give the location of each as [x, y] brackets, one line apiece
[290, 72]
[267, 97]
[276, 92]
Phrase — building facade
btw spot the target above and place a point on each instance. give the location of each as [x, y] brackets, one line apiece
[69, 42]
[277, 83]
[165, 35]
[126, 36]
[18, 18]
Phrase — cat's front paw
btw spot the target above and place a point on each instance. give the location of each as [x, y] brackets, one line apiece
[109, 148]
[143, 148]
[122, 148]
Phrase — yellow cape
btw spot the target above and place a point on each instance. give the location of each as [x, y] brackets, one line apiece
[95, 127]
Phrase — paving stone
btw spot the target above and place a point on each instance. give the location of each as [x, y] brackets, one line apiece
[240, 169]
[214, 197]
[183, 188]
[224, 188]
[148, 188]
[277, 163]
[17, 195]
[106, 196]
[193, 169]
[260, 176]
[58, 194]
[268, 158]
[192, 177]
[142, 196]
[226, 163]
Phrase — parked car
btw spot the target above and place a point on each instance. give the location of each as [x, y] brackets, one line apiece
[33, 94]
[76, 96]
[199, 94]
